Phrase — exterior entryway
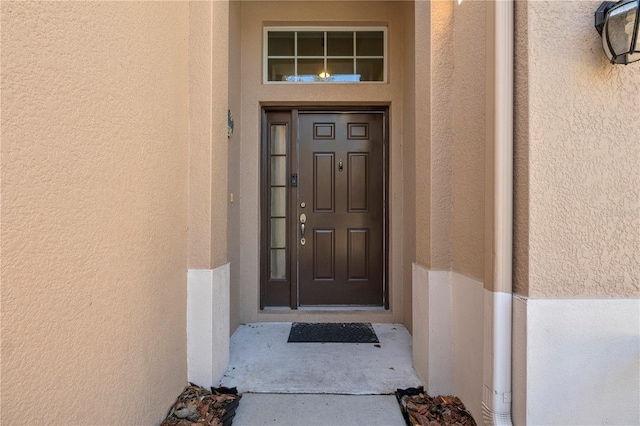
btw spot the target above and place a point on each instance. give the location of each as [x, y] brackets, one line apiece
[324, 189]
[302, 384]
[262, 361]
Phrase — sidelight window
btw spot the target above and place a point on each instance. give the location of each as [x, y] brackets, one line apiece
[278, 196]
[314, 55]
[276, 227]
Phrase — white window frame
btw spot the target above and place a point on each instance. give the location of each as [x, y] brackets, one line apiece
[265, 53]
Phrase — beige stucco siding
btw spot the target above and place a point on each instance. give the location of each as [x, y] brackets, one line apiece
[234, 161]
[581, 162]
[426, 73]
[440, 144]
[469, 139]
[200, 158]
[521, 153]
[408, 158]
[94, 211]
[208, 148]
[450, 143]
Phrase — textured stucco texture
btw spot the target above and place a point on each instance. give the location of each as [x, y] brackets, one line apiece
[94, 211]
[208, 105]
[200, 158]
[408, 158]
[469, 136]
[450, 154]
[423, 130]
[440, 145]
[582, 160]
[234, 160]
[521, 153]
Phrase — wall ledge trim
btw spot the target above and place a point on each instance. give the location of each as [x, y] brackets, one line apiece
[208, 318]
[577, 298]
[448, 310]
[577, 361]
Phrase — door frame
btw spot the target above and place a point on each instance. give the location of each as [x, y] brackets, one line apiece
[289, 114]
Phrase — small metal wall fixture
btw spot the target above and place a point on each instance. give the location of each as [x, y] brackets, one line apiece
[618, 24]
[230, 123]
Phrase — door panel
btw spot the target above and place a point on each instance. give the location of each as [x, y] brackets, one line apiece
[324, 251]
[358, 254]
[323, 182]
[341, 184]
[358, 173]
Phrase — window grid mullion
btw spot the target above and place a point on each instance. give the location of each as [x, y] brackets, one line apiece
[326, 41]
[295, 54]
[355, 54]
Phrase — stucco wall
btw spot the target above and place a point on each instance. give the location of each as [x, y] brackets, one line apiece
[254, 14]
[200, 159]
[521, 153]
[581, 159]
[441, 142]
[469, 136]
[448, 313]
[94, 211]
[409, 159]
[235, 104]
[577, 363]
[208, 147]
[449, 146]
[423, 46]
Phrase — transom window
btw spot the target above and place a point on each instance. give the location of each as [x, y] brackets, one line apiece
[320, 55]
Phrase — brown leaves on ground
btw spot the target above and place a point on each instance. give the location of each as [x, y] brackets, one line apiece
[198, 406]
[424, 410]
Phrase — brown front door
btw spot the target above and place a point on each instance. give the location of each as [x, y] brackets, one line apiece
[339, 208]
[323, 222]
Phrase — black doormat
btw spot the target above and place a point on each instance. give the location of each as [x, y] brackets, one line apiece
[350, 332]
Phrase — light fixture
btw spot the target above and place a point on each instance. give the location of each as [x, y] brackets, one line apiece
[618, 24]
[324, 75]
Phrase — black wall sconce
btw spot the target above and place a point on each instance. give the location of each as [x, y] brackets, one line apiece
[618, 24]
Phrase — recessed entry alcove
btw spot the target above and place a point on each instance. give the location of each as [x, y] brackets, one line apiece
[326, 79]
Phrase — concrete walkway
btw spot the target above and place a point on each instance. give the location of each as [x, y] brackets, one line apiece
[318, 410]
[338, 384]
[263, 362]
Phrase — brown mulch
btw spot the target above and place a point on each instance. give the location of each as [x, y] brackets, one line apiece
[198, 406]
[420, 409]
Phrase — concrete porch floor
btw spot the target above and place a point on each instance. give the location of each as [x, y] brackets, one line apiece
[318, 383]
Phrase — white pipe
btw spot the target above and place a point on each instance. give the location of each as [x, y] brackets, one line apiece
[496, 398]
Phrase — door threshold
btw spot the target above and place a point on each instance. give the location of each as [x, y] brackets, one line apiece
[341, 308]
